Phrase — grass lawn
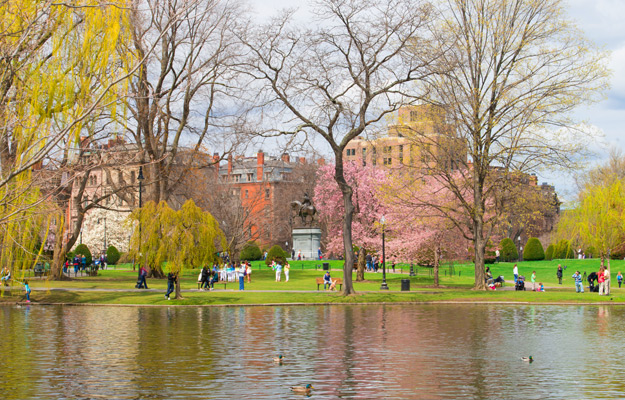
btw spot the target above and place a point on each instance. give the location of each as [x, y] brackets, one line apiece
[116, 286]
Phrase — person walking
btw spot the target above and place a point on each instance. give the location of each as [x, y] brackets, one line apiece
[533, 280]
[287, 268]
[171, 280]
[559, 274]
[248, 271]
[278, 268]
[579, 286]
[497, 254]
[242, 271]
[204, 278]
[619, 279]
[601, 280]
[607, 280]
[143, 273]
[515, 272]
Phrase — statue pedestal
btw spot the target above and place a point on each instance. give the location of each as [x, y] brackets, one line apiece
[308, 241]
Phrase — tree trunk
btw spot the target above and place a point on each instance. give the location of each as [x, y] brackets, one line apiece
[436, 263]
[339, 177]
[480, 245]
[178, 294]
[360, 274]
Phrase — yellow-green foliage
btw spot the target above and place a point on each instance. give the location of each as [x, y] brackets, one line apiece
[598, 220]
[184, 238]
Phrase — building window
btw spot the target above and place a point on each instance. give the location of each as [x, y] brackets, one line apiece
[237, 178]
[266, 193]
[267, 176]
[250, 177]
[401, 153]
[364, 153]
[414, 115]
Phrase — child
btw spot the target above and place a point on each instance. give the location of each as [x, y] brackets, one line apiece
[541, 288]
[534, 280]
[27, 289]
[619, 278]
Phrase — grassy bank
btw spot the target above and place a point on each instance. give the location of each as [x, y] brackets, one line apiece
[116, 286]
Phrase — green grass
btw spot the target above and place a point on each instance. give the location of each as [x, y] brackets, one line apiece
[117, 286]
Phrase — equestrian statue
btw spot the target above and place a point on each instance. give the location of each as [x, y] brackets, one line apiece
[304, 209]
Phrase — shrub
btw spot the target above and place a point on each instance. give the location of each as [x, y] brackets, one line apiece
[563, 250]
[276, 254]
[549, 252]
[251, 252]
[83, 250]
[533, 250]
[112, 255]
[507, 250]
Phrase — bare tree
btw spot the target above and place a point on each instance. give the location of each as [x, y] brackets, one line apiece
[181, 97]
[515, 71]
[340, 79]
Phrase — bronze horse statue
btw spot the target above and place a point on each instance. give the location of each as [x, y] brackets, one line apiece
[303, 210]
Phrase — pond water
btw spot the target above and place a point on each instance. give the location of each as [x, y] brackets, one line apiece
[355, 352]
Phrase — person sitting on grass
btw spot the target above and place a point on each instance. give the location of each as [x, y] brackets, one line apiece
[541, 287]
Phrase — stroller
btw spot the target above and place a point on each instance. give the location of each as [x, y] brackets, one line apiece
[592, 277]
[520, 283]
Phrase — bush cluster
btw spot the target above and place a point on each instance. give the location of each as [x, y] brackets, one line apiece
[563, 250]
[251, 252]
[276, 254]
[507, 250]
[83, 250]
[549, 252]
[533, 250]
[112, 255]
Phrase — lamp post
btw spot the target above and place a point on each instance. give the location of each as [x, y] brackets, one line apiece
[384, 285]
[140, 178]
[520, 249]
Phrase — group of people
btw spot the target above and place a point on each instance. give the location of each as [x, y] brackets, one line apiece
[208, 277]
[372, 263]
[277, 266]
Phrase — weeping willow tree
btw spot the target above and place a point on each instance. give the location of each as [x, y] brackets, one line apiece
[185, 238]
[598, 219]
[59, 69]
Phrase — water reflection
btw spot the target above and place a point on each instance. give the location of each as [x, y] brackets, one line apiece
[359, 352]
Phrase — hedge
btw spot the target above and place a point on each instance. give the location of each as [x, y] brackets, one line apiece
[533, 250]
[563, 250]
[83, 250]
[507, 250]
[549, 252]
[251, 252]
[276, 254]
[112, 255]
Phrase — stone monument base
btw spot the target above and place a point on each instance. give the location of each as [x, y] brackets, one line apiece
[307, 241]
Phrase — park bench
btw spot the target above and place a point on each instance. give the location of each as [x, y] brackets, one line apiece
[41, 269]
[224, 282]
[339, 282]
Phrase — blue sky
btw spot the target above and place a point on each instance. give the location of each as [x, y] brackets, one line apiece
[601, 21]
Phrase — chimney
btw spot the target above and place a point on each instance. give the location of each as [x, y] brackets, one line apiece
[230, 163]
[260, 162]
[321, 161]
[302, 160]
[285, 157]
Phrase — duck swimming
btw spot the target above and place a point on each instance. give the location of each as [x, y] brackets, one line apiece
[278, 359]
[302, 389]
[527, 359]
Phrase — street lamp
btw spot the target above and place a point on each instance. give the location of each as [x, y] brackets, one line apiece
[520, 248]
[384, 285]
[140, 178]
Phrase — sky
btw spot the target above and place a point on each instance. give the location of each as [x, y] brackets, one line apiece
[601, 22]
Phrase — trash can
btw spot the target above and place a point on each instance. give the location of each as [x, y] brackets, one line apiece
[405, 285]
[326, 266]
